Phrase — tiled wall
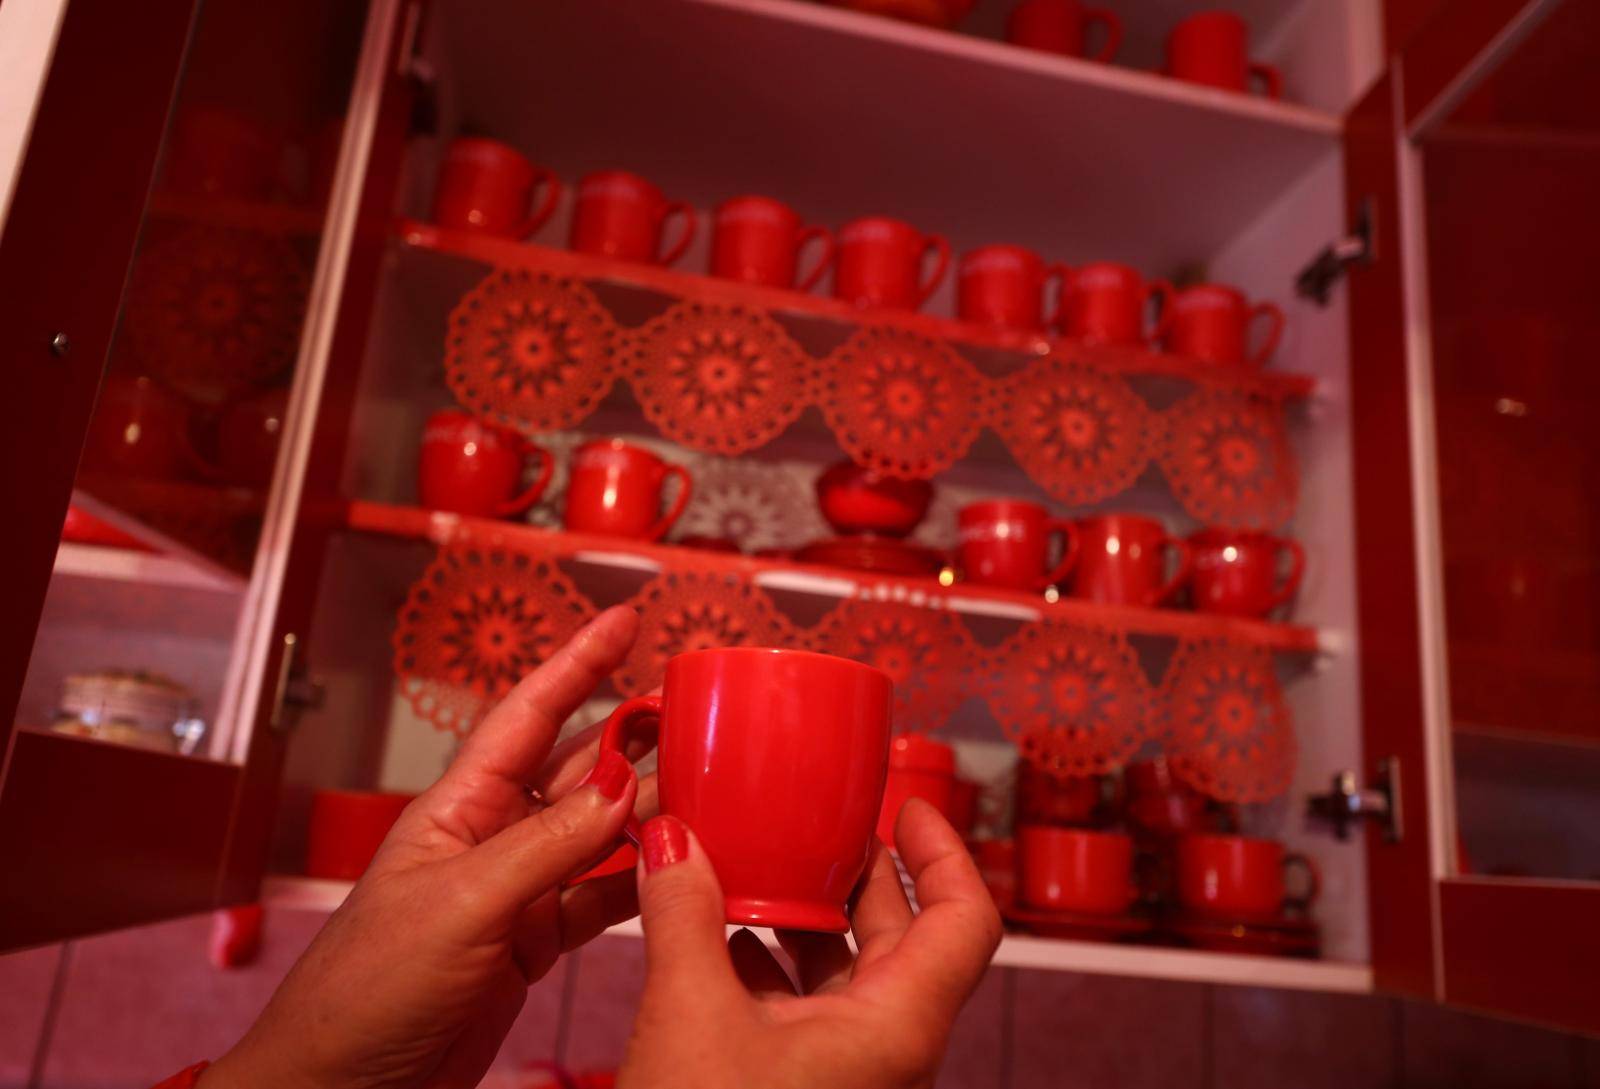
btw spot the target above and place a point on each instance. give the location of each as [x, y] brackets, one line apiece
[124, 1010]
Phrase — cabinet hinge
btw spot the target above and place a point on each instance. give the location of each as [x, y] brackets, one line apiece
[1327, 268]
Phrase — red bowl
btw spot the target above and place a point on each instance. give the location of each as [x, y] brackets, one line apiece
[857, 500]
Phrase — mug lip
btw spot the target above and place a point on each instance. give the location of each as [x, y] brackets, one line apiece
[614, 173]
[758, 198]
[620, 444]
[1127, 518]
[1214, 15]
[1008, 247]
[1211, 286]
[1222, 534]
[788, 652]
[895, 221]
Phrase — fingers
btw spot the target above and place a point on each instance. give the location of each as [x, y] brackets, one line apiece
[881, 914]
[822, 961]
[514, 739]
[680, 906]
[587, 910]
[571, 760]
[757, 968]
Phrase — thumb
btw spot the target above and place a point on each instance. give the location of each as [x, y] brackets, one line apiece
[680, 907]
[522, 862]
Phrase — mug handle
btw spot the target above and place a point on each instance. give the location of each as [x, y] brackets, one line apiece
[1274, 332]
[1113, 27]
[547, 467]
[941, 249]
[621, 727]
[659, 530]
[809, 280]
[552, 193]
[1297, 568]
[1270, 76]
[1161, 289]
[1313, 881]
[1069, 550]
[1062, 274]
[1179, 577]
[675, 251]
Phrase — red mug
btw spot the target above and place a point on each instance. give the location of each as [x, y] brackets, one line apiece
[1213, 48]
[757, 240]
[879, 260]
[1065, 800]
[1236, 571]
[1006, 542]
[1060, 26]
[1158, 803]
[487, 187]
[621, 215]
[919, 767]
[1236, 877]
[248, 437]
[1122, 560]
[776, 759]
[140, 428]
[1003, 287]
[1106, 303]
[347, 828]
[855, 499]
[615, 489]
[470, 466]
[1211, 322]
[963, 811]
[1076, 870]
[219, 152]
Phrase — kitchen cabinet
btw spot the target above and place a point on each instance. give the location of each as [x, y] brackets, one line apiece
[294, 583]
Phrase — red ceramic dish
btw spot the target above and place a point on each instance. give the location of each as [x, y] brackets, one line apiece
[879, 555]
[776, 759]
[616, 490]
[1239, 878]
[919, 767]
[81, 527]
[1075, 870]
[1075, 926]
[860, 500]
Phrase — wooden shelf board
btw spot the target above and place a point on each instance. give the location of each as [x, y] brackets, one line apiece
[124, 565]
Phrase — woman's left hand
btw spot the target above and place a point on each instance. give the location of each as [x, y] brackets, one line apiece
[416, 979]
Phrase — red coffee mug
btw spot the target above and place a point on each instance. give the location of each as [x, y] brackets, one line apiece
[1071, 869]
[487, 187]
[470, 466]
[1003, 287]
[1066, 800]
[1106, 303]
[1122, 560]
[919, 767]
[347, 828]
[776, 759]
[757, 240]
[1006, 542]
[1213, 48]
[879, 262]
[248, 437]
[1210, 322]
[1235, 877]
[140, 428]
[1061, 26]
[621, 215]
[615, 489]
[1236, 571]
[1158, 803]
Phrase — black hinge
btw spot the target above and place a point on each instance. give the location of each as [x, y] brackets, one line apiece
[1316, 280]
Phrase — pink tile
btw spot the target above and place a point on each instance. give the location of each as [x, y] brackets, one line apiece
[141, 1004]
[25, 982]
[975, 1057]
[1275, 1038]
[538, 1028]
[1445, 1047]
[605, 996]
[1096, 1031]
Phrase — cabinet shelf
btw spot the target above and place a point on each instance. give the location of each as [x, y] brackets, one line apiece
[1016, 950]
[441, 528]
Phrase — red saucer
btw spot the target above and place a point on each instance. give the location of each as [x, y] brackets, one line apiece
[880, 555]
[1073, 926]
[1285, 936]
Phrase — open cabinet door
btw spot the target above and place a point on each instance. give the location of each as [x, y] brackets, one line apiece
[1477, 476]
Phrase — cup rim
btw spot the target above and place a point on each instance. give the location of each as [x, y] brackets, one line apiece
[788, 652]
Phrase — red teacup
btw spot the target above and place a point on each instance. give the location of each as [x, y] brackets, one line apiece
[879, 263]
[487, 187]
[1006, 542]
[470, 466]
[621, 215]
[1160, 804]
[347, 828]
[615, 489]
[1065, 800]
[140, 428]
[1003, 287]
[1213, 48]
[855, 499]
[1061, 26]
[1211, 322]
[1235, 877]
[1236, 571]
[1122, 560]
[1107, 303]
[776, 759]
[1071, 869]
[757, 240]
[919, 767]
[248, 437]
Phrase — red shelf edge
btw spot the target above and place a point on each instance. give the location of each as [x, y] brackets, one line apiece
[501, 252]
[441, 528]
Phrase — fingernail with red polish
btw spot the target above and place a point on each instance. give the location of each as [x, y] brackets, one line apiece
[663, 841]
[611, 774]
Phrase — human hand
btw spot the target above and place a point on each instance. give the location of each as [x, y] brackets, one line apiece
[728, 1016]
[416, 979]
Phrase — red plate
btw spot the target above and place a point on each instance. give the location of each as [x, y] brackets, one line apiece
[1075, 927]
[880, 555]
[1281, 937]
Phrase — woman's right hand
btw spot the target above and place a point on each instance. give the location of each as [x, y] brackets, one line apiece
[720, 1015]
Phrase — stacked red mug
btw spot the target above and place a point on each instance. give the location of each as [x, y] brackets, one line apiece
[1212, 48]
